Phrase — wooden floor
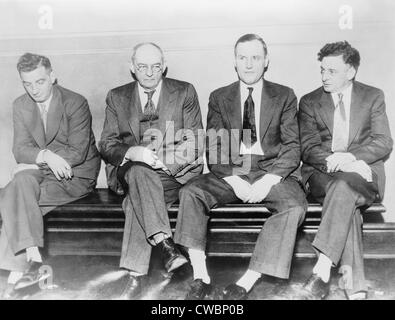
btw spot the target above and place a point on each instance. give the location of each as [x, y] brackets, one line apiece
[99, 277]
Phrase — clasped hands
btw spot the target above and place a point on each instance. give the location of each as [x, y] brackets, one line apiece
[59, 166]
[253, 193]
[346, 162]
[143, 154]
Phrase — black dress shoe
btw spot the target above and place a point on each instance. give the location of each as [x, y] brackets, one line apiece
[234, 292]
[316, 288]
[133, 287]
[172, 256]
[199, 290]
[32, 276]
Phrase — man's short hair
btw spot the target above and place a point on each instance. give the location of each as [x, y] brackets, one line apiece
[30, 61]
[350, 55]
[251, 37]
[136, 47]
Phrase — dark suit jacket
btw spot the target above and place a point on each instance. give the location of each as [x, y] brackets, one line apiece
[69, 133]
[369, 136]
[279, 133]
[178, 105]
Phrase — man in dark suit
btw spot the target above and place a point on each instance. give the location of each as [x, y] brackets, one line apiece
[253, 155]
[57, 162]
[151, 143]
[345, 138]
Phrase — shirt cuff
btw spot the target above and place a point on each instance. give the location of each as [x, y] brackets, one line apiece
[40, 157]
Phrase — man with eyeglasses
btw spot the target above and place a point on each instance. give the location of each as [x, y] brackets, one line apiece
[254, 159]
[345, 138]
[151, 144]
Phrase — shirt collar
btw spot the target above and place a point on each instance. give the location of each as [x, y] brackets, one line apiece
[257, 86]
[345, 92]
[46, 103]
[143, 90]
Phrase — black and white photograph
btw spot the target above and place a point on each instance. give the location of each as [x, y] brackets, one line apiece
[204, 150]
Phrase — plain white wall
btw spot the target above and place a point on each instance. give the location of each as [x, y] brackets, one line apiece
[90, 42]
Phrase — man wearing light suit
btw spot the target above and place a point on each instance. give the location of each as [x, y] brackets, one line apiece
[345, 139]
[57, 162]
[151, 144]
[253, 155]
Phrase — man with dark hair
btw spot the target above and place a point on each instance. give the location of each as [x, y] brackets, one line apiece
[150, 140]
[253, 157]
[57, 162]
[345, 139]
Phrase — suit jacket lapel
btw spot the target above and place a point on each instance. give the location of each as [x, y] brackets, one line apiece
[326, 109]
[166, 107]
[35, 124]
[132, 104]
[232, 109]
[55, 114]
[268, 106]
[356, 111]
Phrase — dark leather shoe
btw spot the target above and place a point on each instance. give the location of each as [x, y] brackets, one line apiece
[316, 288]
[133, 287]
[234, 292]
[199, 290]
[172, 256]
[32, 276]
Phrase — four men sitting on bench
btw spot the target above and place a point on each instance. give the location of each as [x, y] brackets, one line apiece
[152, 143]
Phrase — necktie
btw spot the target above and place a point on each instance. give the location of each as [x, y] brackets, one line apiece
[340, 136]
[43, 112]
[149, 108]
[249, 120]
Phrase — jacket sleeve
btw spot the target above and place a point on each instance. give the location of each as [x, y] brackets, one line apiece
[288, 158]
[311, 143]
[25, 149]
[190, 149]
[79, 133]
[111, 146]
[380, 143]
[218, 141]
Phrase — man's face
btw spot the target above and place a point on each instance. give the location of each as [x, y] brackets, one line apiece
[148, 66]
[38, 83]
[250, 61]
[335, 74]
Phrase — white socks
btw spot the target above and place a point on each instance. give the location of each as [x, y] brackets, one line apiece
[14, 277]
[198, 262]
[248, 279]
[33, 254]
[323, 267]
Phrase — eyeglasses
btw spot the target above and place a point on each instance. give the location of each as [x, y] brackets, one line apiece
[144, 68]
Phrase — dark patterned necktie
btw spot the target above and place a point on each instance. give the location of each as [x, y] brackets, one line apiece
[249, 120]
[150, 113]
[340, 138]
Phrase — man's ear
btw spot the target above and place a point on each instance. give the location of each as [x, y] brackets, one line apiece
[52, 76]
[267, 59]
[132, 68]
[351, 73]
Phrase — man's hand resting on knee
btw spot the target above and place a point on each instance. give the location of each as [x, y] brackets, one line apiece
[59, 166]
[240, 187]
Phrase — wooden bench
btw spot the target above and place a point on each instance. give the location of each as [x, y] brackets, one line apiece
[94, 226]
